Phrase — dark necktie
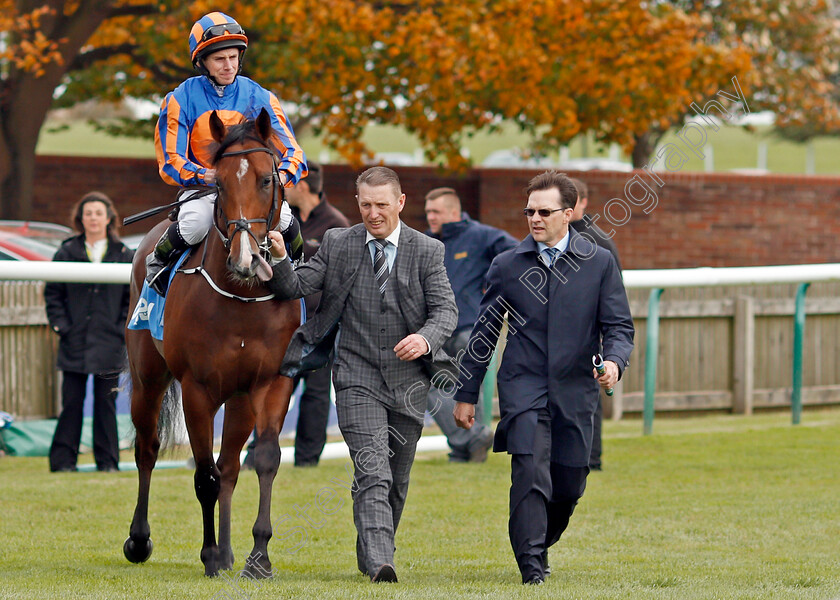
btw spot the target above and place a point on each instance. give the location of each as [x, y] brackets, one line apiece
[380, 265]
[549, 256]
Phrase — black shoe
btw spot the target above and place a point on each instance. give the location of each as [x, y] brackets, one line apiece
[479, 453]
[385, 574]
[534, 580]
[108, 469]
[64, 470]
[167, 250]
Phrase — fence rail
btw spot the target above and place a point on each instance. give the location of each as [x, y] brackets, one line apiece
[726, 337]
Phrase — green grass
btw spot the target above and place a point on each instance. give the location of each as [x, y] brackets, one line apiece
[717, 507]
[734, 148]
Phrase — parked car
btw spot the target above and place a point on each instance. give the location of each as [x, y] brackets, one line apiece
[133, 240]
[31, 240]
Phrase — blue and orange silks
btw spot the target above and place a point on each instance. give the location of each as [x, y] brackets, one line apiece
[183, 140]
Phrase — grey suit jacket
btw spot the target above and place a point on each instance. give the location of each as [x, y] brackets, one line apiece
[426, 299]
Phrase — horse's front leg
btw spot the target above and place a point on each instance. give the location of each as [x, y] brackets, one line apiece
[199, 411]
[270, 405]
[239, 422]
[149, 380]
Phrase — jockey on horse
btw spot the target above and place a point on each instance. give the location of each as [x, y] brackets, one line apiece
[183, 139]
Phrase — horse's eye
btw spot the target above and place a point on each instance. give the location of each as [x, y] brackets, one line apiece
[267, 181]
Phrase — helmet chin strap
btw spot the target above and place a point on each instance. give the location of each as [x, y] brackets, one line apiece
[202, 70]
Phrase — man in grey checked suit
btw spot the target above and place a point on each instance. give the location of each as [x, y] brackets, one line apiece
[387, 308]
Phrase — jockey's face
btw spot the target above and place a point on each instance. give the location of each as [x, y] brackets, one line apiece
[223, 65]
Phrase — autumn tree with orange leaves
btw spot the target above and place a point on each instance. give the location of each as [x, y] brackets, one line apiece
[442, 69]
[794, 48]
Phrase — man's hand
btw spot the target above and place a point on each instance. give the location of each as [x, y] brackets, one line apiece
[464, 414]
[278, 246]
[411, 347]
[210, 176]
[610, 378]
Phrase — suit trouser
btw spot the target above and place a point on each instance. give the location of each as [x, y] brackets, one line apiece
[382, 442]
[313, 415]
[543, 496]
[64, 449]
[441, 405]
[595, 455]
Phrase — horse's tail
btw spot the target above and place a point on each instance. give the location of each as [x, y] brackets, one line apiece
[170, 424]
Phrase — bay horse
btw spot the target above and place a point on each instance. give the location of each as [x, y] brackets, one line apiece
[224, 341]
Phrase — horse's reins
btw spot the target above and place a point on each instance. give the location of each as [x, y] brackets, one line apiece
[240, 225]
[245, 224]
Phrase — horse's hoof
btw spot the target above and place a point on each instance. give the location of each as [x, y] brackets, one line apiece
[259, 568]
[138, 552]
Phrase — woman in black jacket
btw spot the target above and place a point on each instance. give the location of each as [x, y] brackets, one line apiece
[90, 320]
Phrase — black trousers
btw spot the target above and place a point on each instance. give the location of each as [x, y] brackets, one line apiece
[68, 432]
[595, 455]
[543, 496]
[313, 415]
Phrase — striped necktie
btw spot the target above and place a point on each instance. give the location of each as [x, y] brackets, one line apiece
[549, 255]
[380, 265]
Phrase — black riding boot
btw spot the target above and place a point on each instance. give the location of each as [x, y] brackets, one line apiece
[169, 247]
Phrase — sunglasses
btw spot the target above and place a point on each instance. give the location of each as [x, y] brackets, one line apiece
[219, 30]
[543, 212]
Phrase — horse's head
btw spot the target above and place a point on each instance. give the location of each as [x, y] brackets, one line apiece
[250, 194]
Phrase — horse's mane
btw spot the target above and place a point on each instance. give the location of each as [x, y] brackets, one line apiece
[240, 133]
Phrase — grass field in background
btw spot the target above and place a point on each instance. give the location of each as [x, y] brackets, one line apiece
[717, 507]
[733, 148]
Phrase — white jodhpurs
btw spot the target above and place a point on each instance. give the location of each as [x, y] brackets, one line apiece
[195, 217]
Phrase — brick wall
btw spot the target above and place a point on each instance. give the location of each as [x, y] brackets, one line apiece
[699, 219]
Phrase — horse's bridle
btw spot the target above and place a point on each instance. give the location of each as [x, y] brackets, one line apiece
[245, 224]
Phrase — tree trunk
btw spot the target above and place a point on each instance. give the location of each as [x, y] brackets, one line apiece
[645, 146]
[26, 98]
[642, 150]
[22, 116]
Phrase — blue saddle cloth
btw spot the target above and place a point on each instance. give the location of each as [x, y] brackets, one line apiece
[148, 314]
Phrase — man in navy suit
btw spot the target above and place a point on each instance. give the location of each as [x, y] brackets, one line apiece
[565, 302]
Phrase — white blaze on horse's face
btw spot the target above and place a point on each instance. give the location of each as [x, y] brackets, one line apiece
[245, 251]
[243, 169]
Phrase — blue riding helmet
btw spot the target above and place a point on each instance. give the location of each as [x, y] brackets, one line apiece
[212, 32]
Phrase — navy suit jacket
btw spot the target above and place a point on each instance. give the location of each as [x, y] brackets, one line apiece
[558, 319]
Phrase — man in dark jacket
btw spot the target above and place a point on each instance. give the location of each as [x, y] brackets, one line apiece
[90, 320]
[469, 248]
[316, 216]
[583, 223]
[565, 302]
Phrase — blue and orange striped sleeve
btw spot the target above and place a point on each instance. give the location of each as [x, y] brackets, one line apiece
[172, 138]
[292, 157]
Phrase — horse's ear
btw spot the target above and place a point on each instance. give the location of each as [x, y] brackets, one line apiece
[217, 128]
[264, 129]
